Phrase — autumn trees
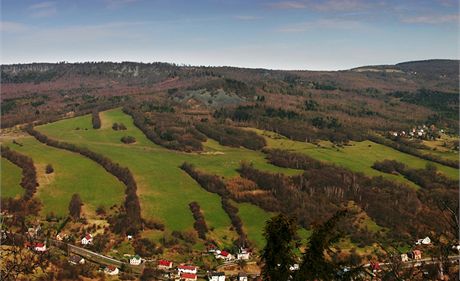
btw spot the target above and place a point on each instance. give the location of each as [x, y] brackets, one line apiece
[95, 119]
[75, 206]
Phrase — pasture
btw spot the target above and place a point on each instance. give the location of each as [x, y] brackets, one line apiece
[10, 181]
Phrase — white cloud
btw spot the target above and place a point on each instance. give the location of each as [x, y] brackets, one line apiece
[43, 9]
[321, 24]
[432, 19]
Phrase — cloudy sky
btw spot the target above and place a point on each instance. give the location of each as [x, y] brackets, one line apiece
[277, 34]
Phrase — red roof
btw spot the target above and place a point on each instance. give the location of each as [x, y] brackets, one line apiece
[224, 253]
[88, 237]
[187, 267]
[39, 245]
[165, 262]
[188, 275]
[111, 267]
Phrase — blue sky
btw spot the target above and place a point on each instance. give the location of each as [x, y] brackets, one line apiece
[277, 34]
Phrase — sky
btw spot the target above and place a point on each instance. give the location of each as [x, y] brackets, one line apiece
[274, 34]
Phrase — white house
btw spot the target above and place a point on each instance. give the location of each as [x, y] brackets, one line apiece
[404, 258]
[243, 254]
[187, 269]
[216, 276]
[88, 239]
[135, 260]
[294, 267]
[111, 270]
[40, 247]
[224, 255]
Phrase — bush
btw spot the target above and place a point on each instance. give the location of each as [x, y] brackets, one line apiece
[128, 139]
[49, 169]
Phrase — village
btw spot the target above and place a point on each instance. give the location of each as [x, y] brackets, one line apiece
[79, 255]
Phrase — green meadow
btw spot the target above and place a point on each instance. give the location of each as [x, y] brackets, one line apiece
[163, 188]
[72, 174]
[358, 156]
[10, 180]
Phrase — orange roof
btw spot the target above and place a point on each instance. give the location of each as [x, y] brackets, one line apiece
[188, 275]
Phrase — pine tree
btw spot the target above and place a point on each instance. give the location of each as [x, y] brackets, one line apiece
[75, 206]
[278, 255]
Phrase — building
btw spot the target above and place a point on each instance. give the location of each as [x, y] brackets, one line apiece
[243, 254]
[135, 260]
[40, 247]
[224, 255]
[164, 264]
[111, 270]
[74, 259]
[88, 239]
[187, 269]
[242, 276]
[417, 254]
[404, 258]
[216, 276]
[188, 277]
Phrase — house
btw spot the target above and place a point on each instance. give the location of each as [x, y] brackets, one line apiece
[404, 258]
[424, 241]
[417, 254]
[224, 255]
[375, 266]
[40, 247]
[211, 248]
[74, 259]
[88, 239]
[216, 276]
[243, 254]
[187, 269]
[164, 264]
[111, 270]
[135, 260]
[188, 277]
[242, 276]
[294, 267]
[129, 237]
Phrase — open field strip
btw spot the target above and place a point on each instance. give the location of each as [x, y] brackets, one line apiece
[358, 157]
[10, 181]
[73, 173]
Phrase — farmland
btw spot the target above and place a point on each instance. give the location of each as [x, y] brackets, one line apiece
[72, 174]
[164, 190]
[358, 156]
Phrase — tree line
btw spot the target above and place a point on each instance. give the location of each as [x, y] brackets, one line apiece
[319, 191]
[95, 119]
[131, 220]
[232, 136]
[214, 184]
[200, 224]
[167, 130]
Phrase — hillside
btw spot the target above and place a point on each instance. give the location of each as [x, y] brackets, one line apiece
[182, 158]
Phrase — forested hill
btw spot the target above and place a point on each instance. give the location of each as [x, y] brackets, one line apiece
[383, 98]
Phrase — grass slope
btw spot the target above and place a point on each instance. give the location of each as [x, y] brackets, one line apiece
[358, 157]
[10, 180]
[73, 173]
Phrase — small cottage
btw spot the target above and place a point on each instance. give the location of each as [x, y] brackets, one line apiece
[135, 260]
[111, 270]
[187, 269]
[88, 239]
[243, 254]
[404, 258]
[165, 264]
[417, 254]
[224, 255]
[40, 247]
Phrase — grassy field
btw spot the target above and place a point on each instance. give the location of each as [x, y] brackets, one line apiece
[72, 174]
[10, 180]
[163, 188]
[358, 157]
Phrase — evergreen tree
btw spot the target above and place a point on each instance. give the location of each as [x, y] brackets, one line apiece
[75, 206]
[315, 265]
[278, 256]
